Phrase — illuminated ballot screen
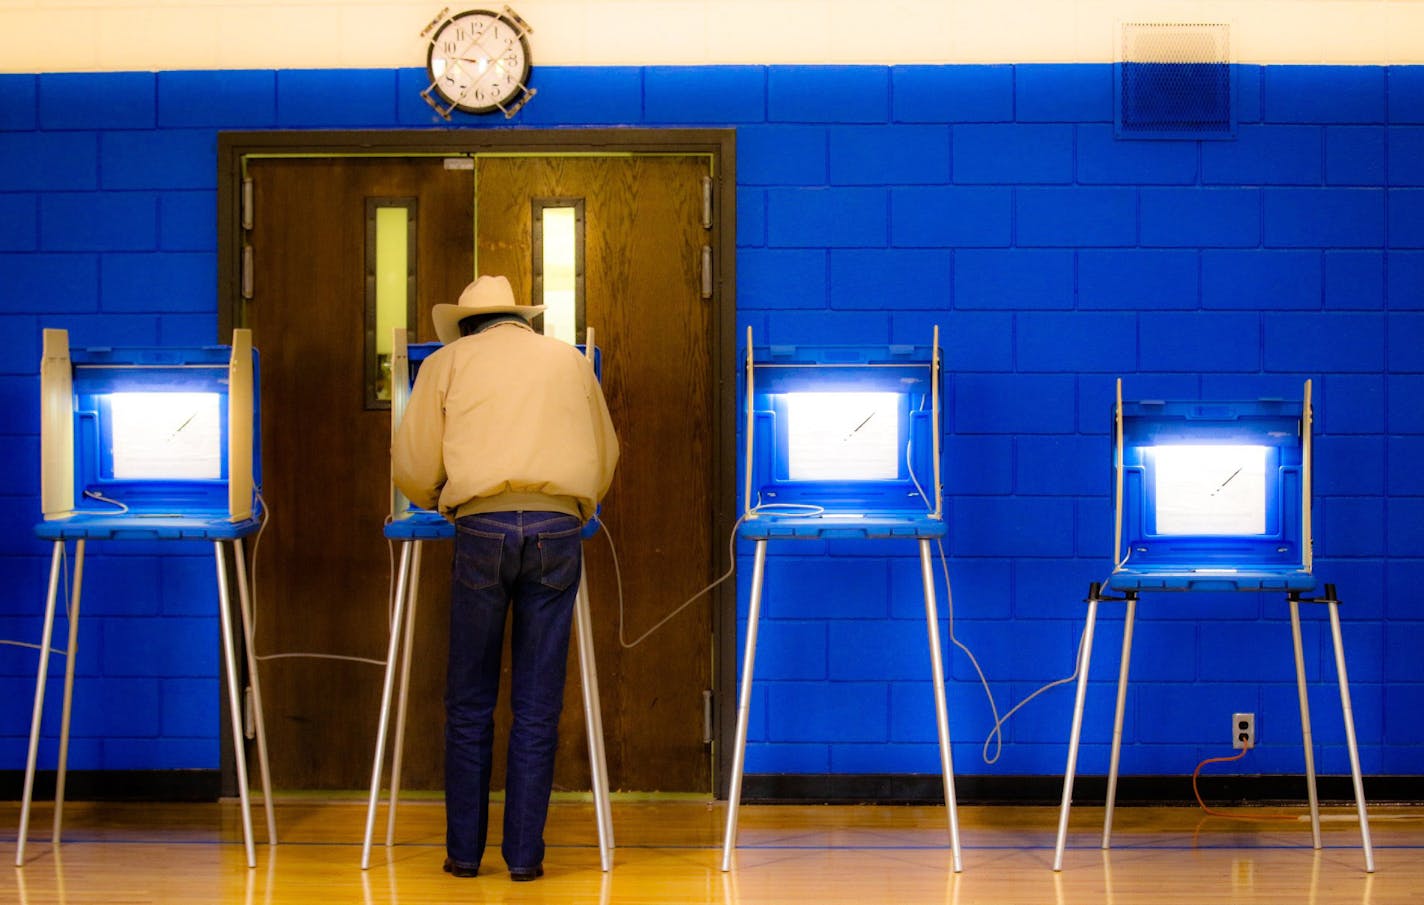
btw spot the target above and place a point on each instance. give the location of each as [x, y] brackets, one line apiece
[842, 433]
[1213, 489]
[165, 436]
[1210, 490]
[843, 436]
[150, 432]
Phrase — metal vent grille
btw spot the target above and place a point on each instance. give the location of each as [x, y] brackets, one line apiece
[1175, 81]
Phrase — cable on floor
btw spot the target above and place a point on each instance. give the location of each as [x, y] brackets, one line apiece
[1226, 760]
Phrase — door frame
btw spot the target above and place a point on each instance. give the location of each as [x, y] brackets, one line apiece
[234, 147]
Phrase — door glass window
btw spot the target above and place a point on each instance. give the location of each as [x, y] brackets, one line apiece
[390, 288]
[557, 225]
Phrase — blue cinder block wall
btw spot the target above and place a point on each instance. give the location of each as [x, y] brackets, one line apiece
[873, 202]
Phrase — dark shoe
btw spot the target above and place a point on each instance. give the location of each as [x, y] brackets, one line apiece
[459, 870]
[525, 874]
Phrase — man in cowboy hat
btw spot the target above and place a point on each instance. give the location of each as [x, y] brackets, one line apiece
[507, 432]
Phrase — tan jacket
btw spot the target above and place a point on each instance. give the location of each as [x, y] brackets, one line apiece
[505, 420]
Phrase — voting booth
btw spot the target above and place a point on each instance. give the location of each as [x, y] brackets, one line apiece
[842, 442]
[1212, 496]
[150, 444]
[411, 527]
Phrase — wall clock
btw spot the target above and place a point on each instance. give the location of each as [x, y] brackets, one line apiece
[478, 62]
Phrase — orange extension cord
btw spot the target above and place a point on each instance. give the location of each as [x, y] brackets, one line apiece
[1227, 760]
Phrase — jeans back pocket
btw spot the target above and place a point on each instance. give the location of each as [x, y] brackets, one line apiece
[477, 557]
[560, 555]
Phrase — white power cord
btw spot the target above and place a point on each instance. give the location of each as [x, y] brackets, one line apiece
[302, 655]
[731, 568]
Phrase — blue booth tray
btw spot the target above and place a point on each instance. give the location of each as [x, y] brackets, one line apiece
[112, 526]
[420, 524]
[839, 525]
[1211, 580]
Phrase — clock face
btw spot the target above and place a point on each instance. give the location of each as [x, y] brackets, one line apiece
[478, 61]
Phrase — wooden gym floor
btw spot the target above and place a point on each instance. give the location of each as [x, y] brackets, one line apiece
[669, 852]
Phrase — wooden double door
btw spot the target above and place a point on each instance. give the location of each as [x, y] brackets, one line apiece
[323, 568]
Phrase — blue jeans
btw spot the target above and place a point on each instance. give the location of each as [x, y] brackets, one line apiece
[530, 562]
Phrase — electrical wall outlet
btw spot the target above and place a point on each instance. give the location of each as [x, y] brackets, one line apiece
[1243, 730]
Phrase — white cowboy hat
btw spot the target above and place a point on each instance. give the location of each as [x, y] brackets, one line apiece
[486, 295]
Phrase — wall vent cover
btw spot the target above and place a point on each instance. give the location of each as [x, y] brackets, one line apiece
[1175, 81]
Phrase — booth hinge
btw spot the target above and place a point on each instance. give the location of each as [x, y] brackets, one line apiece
[706, 202]
[707, 716]
[706, 271]
[247, 215]
[247, 272]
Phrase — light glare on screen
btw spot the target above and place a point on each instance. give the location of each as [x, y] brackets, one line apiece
[843, 436]
[166, 436]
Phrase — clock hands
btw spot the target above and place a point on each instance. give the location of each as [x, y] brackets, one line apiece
[483, 59]
[485, 64]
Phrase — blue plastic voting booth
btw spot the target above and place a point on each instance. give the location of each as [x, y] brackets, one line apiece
[149, 444]
[1212, 496]
[842, 442]
[410, 526]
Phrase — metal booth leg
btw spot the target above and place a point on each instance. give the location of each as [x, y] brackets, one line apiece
[744, 700]
[41, 678]
[387, 686]
[234, 699]
[71, 655]
[244, 600]
[1307, 740]
[941, 706]
[1349, 714]
[1068, 772]
[407, 657]
[1118, 716]
[593, 721]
